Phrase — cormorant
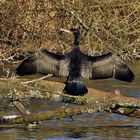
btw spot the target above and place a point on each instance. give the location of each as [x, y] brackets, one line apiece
[76, 65]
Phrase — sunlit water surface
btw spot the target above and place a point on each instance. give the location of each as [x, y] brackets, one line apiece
[99, 126]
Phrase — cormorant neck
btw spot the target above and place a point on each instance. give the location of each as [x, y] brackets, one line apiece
[77, 40]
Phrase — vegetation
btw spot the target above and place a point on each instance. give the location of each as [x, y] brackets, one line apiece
[26, 26]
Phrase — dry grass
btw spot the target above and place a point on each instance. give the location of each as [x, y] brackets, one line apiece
[112, 25]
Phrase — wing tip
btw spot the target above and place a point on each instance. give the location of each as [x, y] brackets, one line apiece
[128, 77]
[26, 69]
[132, 78]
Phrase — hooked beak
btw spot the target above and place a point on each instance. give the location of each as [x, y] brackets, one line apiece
[64, 30]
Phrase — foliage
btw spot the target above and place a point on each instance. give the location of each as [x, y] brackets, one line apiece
[113, 25]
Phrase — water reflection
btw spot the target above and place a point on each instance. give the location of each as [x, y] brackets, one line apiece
[74, 130]
[88, 126]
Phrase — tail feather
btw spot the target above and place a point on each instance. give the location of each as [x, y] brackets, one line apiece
[75, 88]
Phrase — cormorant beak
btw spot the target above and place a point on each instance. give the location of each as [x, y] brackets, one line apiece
[64, 30]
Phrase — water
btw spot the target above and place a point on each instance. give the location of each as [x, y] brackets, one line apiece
[98, 126]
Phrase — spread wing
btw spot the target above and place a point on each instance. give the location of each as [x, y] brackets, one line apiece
[43, 62]
[106, 66]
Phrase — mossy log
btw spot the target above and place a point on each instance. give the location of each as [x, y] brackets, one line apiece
[94, 101]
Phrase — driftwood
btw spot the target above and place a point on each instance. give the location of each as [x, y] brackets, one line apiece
[94, 101]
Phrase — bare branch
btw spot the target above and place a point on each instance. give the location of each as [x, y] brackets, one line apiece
[74, 14]
[36, 80]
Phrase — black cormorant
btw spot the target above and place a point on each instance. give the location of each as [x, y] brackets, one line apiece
[76, 65]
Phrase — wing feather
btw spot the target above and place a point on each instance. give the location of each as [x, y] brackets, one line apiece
[106, 66]
[43, 62]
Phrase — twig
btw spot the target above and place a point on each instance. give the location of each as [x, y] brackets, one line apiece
[75, 16]
[2, 41]
[7, 59]
[128, 16]
[35, 80]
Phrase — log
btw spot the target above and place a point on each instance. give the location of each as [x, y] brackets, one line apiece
[94, 101]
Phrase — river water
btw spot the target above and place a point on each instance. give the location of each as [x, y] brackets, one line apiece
[96, 126]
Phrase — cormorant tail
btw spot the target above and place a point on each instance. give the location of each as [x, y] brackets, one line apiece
[75, 88]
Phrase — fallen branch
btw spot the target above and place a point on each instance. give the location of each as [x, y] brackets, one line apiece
[94, 101]
[58, 114]
[69, 112]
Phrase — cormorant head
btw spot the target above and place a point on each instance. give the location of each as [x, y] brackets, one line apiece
[76, 34]
[75, 31]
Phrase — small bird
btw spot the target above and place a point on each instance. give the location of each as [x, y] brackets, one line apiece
[76, 65]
